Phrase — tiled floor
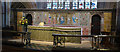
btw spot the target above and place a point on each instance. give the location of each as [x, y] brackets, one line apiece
[84, 44]
[38, 47]
[44, 45]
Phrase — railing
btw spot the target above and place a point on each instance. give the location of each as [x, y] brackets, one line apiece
[96, 39]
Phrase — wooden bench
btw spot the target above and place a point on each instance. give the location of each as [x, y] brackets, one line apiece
[95, 38]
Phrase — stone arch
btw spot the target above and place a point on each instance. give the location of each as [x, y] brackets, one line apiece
[101, 14]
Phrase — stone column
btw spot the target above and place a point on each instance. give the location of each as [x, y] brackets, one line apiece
[117, 41]
[8, 11]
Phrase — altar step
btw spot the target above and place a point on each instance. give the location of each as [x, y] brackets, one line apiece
[16, 37]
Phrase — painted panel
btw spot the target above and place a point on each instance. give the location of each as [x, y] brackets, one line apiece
[49, 19]
[69, 21]
[19, 17]
[107, 22]
[58, 18]
[54, 19]
[62, 19]
[75, 19]
[38, 17]
[45, 14]
[84, 19]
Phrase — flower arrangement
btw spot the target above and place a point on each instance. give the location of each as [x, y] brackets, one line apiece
[23, 21]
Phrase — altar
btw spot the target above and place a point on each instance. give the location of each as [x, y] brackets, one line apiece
[44, 33]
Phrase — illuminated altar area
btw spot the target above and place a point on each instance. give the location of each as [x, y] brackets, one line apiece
[67, 19]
